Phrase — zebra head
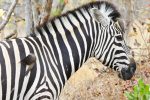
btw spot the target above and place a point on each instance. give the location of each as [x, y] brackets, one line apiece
[110, 47]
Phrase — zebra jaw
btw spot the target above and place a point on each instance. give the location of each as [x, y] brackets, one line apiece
[127, 73]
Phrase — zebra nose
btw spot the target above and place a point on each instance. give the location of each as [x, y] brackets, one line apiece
[127, 73]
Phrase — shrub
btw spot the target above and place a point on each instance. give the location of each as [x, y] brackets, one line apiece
[141, 91]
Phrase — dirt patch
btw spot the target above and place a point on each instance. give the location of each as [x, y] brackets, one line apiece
[92, 83]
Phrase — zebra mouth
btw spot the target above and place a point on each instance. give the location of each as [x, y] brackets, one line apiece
[127, 73]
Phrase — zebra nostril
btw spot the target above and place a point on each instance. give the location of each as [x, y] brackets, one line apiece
[132, 65]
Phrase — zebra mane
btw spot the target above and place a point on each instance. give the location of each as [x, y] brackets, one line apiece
[105, 7]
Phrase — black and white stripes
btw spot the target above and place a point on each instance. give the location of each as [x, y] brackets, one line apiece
[61, 46]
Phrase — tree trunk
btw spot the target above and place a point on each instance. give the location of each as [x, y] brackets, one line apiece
[28, 17]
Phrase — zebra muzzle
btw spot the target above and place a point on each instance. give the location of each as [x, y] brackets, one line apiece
[127, 73]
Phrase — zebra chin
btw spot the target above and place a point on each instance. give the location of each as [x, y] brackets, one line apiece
[127, 73]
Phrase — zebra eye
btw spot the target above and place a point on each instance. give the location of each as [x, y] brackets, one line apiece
[119, 38]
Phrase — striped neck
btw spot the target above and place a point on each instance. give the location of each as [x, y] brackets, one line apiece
[72, 36]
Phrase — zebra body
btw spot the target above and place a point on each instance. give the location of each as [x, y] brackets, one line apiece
[60, 47]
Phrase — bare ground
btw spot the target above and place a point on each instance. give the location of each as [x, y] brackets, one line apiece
[92, 83]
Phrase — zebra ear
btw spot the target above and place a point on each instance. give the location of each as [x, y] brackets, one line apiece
[99, 17]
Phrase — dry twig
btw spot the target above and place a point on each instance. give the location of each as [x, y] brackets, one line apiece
[8, 15]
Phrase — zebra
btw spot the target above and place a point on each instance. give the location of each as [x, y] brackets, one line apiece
[37, 67]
